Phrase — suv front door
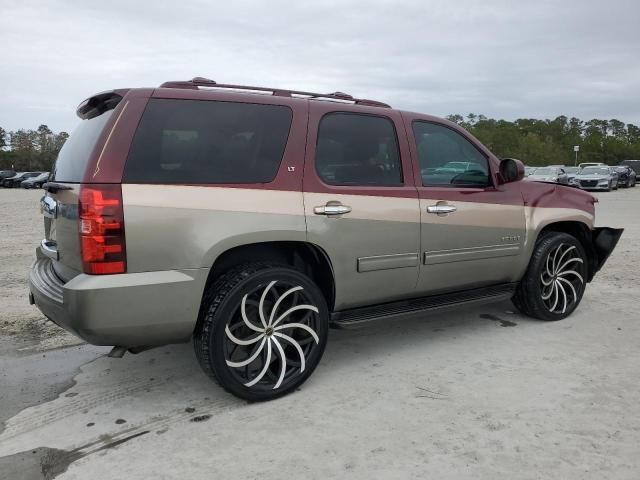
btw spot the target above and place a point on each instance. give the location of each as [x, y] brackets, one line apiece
[361, 204]
[472, 231]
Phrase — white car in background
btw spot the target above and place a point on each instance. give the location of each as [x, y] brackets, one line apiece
[549, 174]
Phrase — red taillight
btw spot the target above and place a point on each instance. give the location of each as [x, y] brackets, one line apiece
[101, 227]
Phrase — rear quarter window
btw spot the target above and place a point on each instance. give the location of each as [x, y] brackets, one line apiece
[73, 157]
[208, 142]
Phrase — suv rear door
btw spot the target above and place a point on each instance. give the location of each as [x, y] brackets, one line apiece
[472, 233]
[361, 204]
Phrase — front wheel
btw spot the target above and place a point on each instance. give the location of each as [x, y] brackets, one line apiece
[554, 283]
[262, 330]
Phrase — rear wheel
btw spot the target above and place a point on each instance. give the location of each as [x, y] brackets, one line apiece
[554, 283]
[262, 330]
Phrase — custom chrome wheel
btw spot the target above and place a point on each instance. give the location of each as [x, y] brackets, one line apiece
[262, 330]
[553, 285]
[271, 335]
[561, 280]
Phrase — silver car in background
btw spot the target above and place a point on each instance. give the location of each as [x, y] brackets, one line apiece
[571, 173]
[596, 178]
[549, 174]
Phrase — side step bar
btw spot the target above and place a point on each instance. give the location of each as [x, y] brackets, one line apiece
[359, 315]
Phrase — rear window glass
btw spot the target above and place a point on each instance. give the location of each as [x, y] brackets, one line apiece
[199, 142]
[74, 155]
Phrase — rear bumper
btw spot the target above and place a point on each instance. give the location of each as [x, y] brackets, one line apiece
[134, 309]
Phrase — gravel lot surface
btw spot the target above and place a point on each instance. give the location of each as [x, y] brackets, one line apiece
[479, 393]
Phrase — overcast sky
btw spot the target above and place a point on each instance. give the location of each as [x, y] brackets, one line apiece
[504, 59]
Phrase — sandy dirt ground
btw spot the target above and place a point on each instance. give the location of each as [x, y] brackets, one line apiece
[480, 393]
[21, 229]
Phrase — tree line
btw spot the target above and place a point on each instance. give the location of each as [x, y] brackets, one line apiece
[29, 150]
[551, 142]
[536, 142]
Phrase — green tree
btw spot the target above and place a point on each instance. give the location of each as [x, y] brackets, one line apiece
[551, 141]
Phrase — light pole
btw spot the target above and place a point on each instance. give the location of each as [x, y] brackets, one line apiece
[576, 149]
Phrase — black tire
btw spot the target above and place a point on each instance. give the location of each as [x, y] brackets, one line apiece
[222, 321]
[565, 287]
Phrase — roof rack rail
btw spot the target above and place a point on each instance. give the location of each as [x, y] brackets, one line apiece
[196, 82]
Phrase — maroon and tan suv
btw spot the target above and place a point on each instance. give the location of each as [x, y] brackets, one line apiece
[250, 219]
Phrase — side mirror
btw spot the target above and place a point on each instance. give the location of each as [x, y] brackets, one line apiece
[511, 170]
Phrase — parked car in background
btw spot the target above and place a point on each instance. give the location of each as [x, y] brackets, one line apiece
[250, 223]
[595, 178]
[571, 173]
[633, 164]
[529, 170]
[592, 164]
[549, 174]
[6, 174]
[17, 179]
[626, 176]
[615, 176]
[35, 182]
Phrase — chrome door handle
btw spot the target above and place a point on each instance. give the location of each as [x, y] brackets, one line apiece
[441, 209]
[332, 209]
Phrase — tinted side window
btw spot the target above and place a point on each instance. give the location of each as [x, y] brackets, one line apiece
[190, 141]
[447, 158]
[354, 149]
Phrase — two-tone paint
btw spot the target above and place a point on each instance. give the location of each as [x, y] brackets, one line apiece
[387, 247]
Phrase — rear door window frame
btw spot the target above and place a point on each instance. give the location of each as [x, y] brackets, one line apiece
[391, 122]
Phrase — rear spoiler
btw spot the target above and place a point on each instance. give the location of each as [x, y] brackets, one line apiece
[99, 103]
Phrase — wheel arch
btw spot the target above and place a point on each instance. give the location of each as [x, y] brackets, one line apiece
[583, 233]
[306, 257]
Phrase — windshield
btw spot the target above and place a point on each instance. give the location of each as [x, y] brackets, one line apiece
[571, 169]
[595, 171]
[544, 171]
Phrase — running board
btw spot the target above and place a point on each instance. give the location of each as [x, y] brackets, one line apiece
[358, 315]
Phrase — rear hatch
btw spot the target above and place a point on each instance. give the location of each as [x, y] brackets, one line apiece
[60, 205]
